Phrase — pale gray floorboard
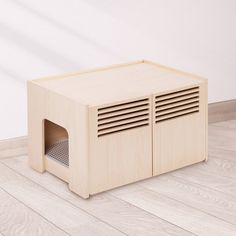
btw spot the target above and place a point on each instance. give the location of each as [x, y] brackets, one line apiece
[226, 124]
[17, 219]
[189, 218]
[211, 180]
[194, 195]
[198, 199]
[57, 211]
[124, 216]
[222, 138]
[221, 153]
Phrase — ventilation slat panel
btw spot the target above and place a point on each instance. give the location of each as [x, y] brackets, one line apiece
[123, 117]
[177, 99]
[176, 109]
[176, 114]
[125, 111]
[122, 122]
[124, 126]
[177, 94]
[123, 106]
[176, 104]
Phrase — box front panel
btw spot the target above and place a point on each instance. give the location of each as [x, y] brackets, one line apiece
[179, 128]
[120, 144]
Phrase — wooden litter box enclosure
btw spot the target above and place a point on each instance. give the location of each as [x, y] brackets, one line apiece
[105, 128]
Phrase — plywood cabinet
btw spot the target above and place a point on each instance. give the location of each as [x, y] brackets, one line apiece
[109, 127]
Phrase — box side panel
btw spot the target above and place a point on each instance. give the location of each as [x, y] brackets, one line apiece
[44, 105]
[182, 140]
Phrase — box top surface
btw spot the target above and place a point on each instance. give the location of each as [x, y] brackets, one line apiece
[118, 83]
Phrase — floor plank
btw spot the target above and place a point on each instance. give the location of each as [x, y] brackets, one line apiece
[61, 213]
[194, 195]
[200, 199]
[17, 219]
[222, 138]
[226, 124]
[125, 217]
[221, 153]
[212, 180]
[221, 167]
[174, 211]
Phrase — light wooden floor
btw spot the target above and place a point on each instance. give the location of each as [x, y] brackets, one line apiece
[197, 200]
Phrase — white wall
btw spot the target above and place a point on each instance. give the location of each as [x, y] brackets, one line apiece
[48, 37]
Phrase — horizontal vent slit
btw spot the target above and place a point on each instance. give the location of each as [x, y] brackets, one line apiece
[121, 121]
[180, 92]
[178, 103]
[123, 105]
[178, 96]
[123, 109]
[170, 118]
[176, 114]
[122, 125]
[178, 99]
[179, 111]
[124, 112]
[116, 131]
[177, 108]
[123, 116]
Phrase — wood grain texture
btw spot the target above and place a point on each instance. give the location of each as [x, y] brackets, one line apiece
[49, 105]
[115, 84]
[196, 200]
[222, 138]
[186, 217]
[223, 154]
[194, 195]
[17, 219]
[207, 178]
[105, 153]
[222, 111]
[13, 147]
[123, 216]
[120, 158]
[57, 211]
[227, 124]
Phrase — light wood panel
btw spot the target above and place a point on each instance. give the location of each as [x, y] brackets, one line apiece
[123, 216]
[49, 105]
[127, 81]
[119, 158]
[186, 217]
[180, 140]
[53, 133]
[110, 144]
[59, 212]
[17, 219]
